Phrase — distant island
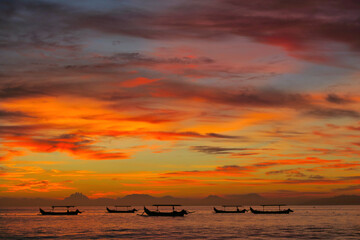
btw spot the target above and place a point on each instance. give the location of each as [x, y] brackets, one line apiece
[80, 199]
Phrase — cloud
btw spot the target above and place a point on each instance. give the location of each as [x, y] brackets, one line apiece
[287, 172]
[129, 63]
[78, 75]
[237, 155]
[36, 186]
[300, 161]
[216, 150]
[343, 152]
[23, 130]
[159, 135]
[9, 154]
[333, 98]
[140, 59]
[351, 166]
[276, 23]
[12, 115]
[217, 135]
[137, 82]
[102, 195]
[301, 29]
[20, 91]
[233, 151]
[181, 182]
[38, 26]
[129, 192]
[239, 97]
[311, 181]
[349, 188]
[76, 145]
[247, 170]
[353, 128]
[154, 116]
[227, 170]
[332, 113]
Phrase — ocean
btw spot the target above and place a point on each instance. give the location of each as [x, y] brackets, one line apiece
[307, 222]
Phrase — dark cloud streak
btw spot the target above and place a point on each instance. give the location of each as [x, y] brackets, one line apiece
[333, 98]
[294, 26]
[216, 150]
[333, 113]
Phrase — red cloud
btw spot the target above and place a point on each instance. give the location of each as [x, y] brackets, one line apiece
[230, 170]
[137, 82]
[169, 182]
[234, 170]
[159, 135]
[71, 143]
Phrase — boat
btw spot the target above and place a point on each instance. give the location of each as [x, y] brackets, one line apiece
[52, 212]
[231, 211]
[127, 210]
[285, 211]
[173, 213]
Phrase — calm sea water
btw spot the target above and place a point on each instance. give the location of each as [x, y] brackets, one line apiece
[307, 222]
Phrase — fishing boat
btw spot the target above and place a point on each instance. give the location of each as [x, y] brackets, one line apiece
[127, 210]
[230, 211]
[284, 211]
[173, 213]
[52, 212]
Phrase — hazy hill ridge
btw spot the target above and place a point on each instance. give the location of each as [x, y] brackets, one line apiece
[80, 199]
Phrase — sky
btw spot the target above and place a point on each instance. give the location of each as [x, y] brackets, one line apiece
[181, 98]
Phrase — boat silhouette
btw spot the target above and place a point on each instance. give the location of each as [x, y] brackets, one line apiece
[173, 213]
[285, 211]
[52, 212]
[121, 211]
[230, 211]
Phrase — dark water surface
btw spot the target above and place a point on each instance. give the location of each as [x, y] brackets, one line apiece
[307, 222]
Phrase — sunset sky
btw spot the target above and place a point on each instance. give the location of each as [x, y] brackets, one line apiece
[182, 98]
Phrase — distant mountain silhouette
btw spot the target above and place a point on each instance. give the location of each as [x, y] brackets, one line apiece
[213, 200]
[77, 199]
[251, 199]
[338, 200]
[137, 197]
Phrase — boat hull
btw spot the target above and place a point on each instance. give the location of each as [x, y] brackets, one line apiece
[223, 211]
[271, 212]
[59, 213]
[120, 211]
[165, 214]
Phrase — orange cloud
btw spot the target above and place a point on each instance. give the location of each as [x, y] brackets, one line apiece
[36, 186]
[160, 135]
[307, 160]
[102, 194]
[179, 182]
[9, 154]
[230, 170]
[342, 165]
[143, 192]
[241, 171]
[311, 182]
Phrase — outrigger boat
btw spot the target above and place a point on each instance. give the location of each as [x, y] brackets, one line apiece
[285, 211]
[233, 211]
[52, 212]
[121, 211]
[174, 213]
